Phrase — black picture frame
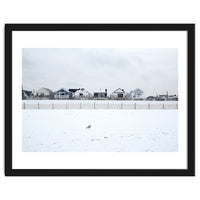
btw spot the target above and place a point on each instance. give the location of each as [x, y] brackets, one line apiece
[189, 28]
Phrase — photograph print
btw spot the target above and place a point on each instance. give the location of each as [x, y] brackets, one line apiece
[99, 100]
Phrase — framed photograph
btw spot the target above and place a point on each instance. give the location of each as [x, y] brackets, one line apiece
[99, 100]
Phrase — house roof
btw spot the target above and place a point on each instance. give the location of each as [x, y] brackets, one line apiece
[63, 89]
[119, 90]
[83, 91]
[173, 97]
[151, 97]
[27, 93]
[73, 90]
[43, 88]
[137, 91]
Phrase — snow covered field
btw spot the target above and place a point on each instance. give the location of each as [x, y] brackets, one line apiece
[111, 130]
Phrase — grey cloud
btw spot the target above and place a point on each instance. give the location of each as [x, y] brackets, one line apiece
[152, 70]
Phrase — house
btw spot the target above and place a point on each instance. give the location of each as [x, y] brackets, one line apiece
[27, 94]
[151, 98]
[82, 94]
[45, 93]
[100, 94]
[173, 98]
[136, 94]
[162, 97]
[63, 94]
[167, 97]
[119, 94]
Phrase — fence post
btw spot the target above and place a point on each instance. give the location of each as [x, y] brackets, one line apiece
[24, 106]
[52, 105]
[66, 105]
[121, 106]
[149, 106]
[38, 105]
[135, 106]
[163, 106]
[108, 106]
[80, 105]
[94, 105]
[177, 106]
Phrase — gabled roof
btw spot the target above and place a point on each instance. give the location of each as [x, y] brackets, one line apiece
[63, 89]
[137, 91]
[82, 90]
[47, 89]
[73, 90]
[119, 90]
[27, 93]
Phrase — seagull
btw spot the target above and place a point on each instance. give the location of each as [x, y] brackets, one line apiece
[88, 126]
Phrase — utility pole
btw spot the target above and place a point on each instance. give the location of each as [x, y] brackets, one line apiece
[167, 96]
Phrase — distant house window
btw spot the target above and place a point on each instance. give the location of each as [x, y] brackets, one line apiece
[120, 95]
[102, 94]
[95, 94]
[62, 93]
[81, 94]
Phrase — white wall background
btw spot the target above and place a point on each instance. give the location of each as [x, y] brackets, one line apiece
[104, 11]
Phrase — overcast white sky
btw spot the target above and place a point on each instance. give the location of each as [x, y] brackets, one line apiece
[155, 71]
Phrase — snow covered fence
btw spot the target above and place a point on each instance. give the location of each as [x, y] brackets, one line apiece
[101, 105]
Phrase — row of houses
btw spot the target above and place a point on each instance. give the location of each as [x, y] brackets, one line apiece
[81, 93]
[163, 98]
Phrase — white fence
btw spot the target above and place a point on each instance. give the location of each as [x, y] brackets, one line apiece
[81, 105]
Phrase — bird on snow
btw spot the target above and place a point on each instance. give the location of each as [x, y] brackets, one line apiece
[88, 126]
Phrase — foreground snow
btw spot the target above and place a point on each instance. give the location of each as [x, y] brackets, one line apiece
[111, 130]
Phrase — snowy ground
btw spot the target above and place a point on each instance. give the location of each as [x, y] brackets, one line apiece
[111, 130]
